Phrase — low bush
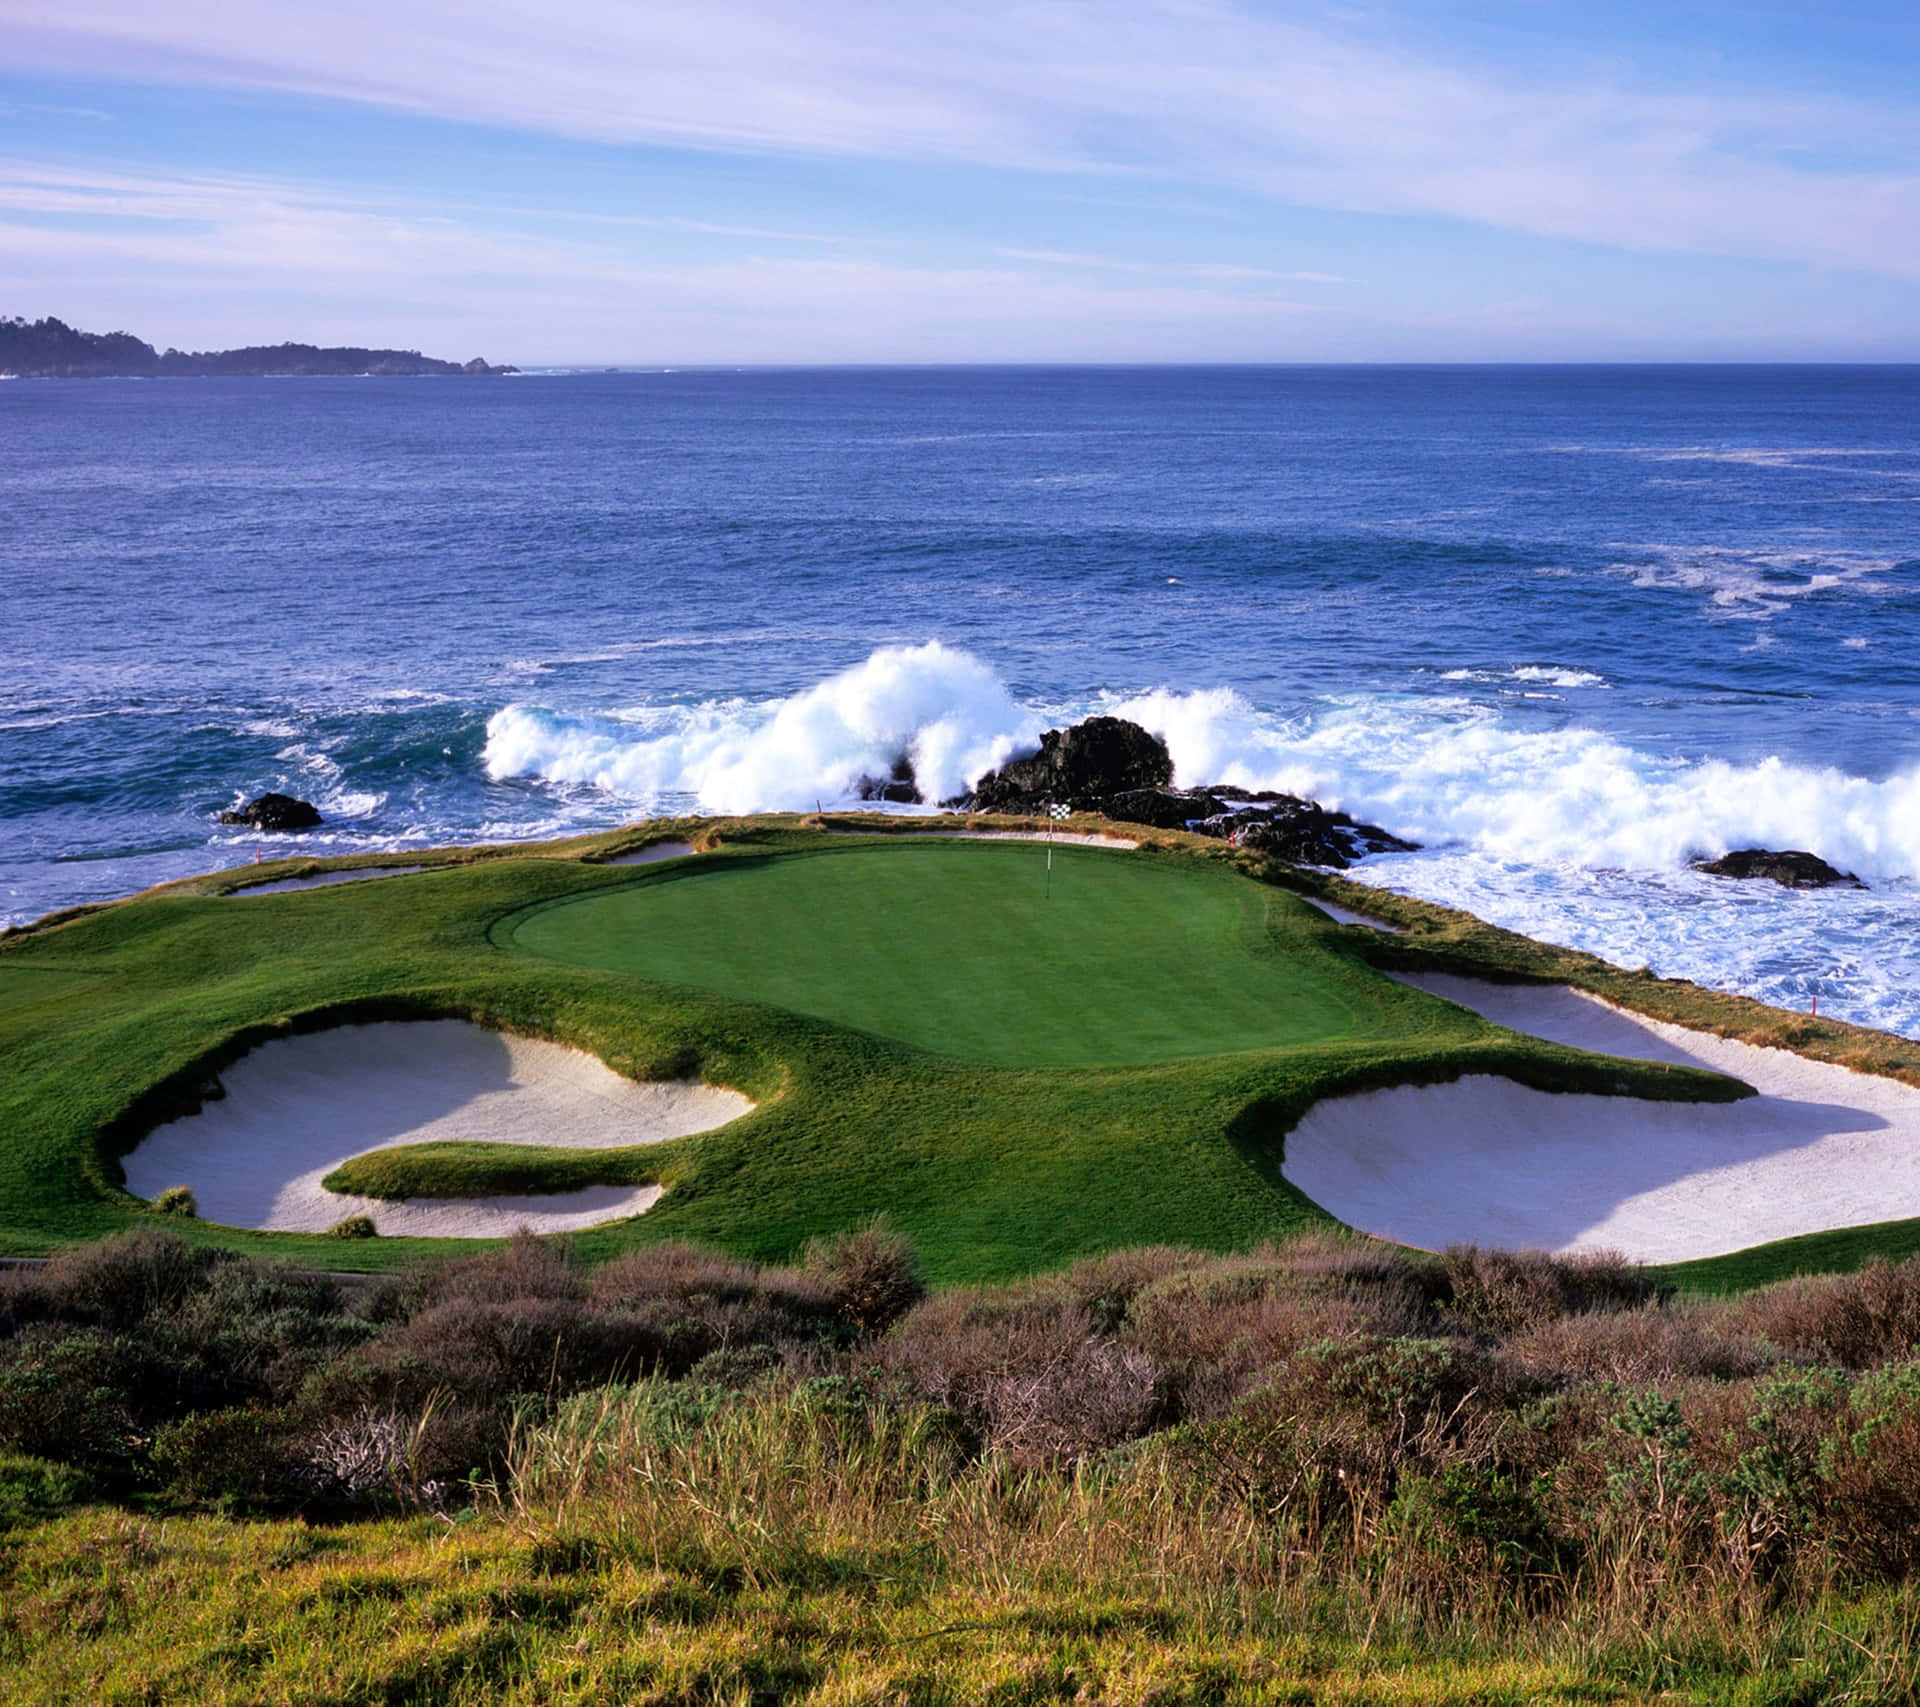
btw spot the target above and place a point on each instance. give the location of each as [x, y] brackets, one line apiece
[869, 1278]
[1033, 1376]
[1857, 1320]
[1496, 1293]
[177, 1200]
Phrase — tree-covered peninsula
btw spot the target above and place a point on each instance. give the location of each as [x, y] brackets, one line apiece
[51, 349]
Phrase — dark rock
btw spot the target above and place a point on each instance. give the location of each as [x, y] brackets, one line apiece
[1159, 808]
[1094, 760]
[900, 786]
[274, 812]
[1301, 832]
[1793, 868]
[1114, 767]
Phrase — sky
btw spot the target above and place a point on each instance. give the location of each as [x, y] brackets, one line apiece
[765, 181]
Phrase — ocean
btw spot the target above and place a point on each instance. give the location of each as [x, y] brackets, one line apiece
[1566, 627]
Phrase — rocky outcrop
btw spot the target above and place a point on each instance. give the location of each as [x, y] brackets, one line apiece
[1161, 808]
[274, 812]
[1793, 868]
[1116, 768]
[1094, 760]
[1302, 832]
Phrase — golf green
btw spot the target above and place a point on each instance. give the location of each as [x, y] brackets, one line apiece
[967, 949]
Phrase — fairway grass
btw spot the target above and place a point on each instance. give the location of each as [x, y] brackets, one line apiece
[972, 951]
[1013, 1078]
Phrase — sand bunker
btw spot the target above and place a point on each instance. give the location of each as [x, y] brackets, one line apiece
[1347, 916]
[655, 851]
[1486, 1160]
[298, 1107]
[325, 879]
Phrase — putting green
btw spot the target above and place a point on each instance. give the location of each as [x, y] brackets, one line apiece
[964, 949]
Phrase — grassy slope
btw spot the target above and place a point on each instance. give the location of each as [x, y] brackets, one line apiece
[993, 1169]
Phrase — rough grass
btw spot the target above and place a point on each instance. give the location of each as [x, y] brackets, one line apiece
[1324, 1471]
[992, 1170]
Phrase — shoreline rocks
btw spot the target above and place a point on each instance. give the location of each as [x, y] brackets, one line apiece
[1791, 868]
[275, 812]
[1111, 766]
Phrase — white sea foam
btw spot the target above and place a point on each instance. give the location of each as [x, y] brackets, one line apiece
[942, 709]
[1754, 584]
[1546, 675]
[1442, 770]
[1567, 834]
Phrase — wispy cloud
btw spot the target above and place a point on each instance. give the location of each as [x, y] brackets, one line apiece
[1221, 272]
[1296, 107]
[218, 258]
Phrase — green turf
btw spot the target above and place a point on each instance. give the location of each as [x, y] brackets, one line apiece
[946, 1109]
[972, 951]
[1839, 1250]
[25, 985]
[458, 1168]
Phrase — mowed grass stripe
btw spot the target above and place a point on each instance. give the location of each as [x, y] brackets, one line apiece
[966, 950]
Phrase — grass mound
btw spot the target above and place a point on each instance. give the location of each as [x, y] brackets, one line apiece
[970, 951]
[455, 1169]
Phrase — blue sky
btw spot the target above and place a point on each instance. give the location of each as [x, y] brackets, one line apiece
[847, 180]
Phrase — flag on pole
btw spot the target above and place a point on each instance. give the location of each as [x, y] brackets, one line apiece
[1055, 812]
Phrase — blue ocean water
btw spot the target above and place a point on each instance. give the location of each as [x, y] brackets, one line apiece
[1566, 627]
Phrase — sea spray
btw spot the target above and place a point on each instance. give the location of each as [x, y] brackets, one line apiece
[943, 711]
[1445, 771]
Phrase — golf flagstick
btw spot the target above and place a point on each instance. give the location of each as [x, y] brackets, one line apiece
[1055, 812]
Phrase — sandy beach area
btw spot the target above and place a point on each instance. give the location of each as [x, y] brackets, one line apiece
[298, 1107]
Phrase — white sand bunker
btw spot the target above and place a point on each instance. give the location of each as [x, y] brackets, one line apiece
[325, 879]
[298, 1107]
[1489, 1161]
[652, 853]
[1347, 916]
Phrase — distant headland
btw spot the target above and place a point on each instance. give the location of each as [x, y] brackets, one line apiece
[51, 349]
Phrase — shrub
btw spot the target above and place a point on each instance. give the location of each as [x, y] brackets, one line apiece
[1641, 1347]
[177, 1200]
[119, 1280]
[869, 1278]
[1467, 1532]
[525, 1267]
[1858, 1320]
[1873, 1476]
[1031, 1375]
[354, 1227]
[1216, 1330]
[1325, 1441]
[74, 1396]
[1496, 1293]
[1106, 1287]
[235, 1459]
